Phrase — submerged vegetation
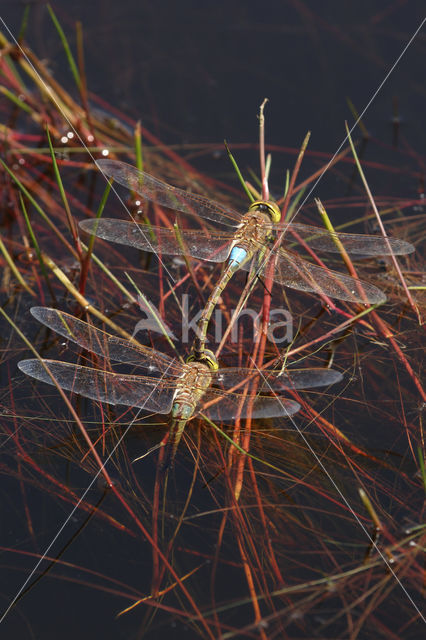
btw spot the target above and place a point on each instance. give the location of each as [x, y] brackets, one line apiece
[291, 516]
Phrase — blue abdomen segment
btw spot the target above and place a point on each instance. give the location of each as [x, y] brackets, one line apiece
[237, 255]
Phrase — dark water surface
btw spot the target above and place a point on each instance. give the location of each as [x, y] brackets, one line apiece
[199, 70]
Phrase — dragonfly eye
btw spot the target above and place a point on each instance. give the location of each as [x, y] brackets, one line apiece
[271, 208]
[206, 357]
[210, 359]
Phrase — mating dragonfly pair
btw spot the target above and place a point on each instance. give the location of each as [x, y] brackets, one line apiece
[199, 386]
[249, 245]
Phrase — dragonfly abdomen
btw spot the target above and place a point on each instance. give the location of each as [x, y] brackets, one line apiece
[190, 389]
[237, 256]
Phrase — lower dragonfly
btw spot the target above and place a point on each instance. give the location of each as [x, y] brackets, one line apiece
[243, 248]
[172, 387]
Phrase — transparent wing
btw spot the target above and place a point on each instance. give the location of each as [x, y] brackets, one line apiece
[196, 243]
[355, 244]
[295, 272]
[275, 381]
[106, 345]
[220, 406]
[150, 394]
[164, 194]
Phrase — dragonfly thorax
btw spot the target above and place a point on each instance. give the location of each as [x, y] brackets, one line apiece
[254, 230]
[190, 388]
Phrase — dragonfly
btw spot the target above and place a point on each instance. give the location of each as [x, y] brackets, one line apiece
[168, 385]
[244, 245]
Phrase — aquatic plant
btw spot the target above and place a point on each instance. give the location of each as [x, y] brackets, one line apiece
[269, 527]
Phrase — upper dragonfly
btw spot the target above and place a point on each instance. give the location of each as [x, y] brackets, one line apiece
[247, 247]
[169, 386]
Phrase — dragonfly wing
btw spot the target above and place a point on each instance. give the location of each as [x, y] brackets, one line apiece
[266, 380]
[355, 244]
[145, 393]
[214, 247]
[167, 196]
[219, 406]
[104, 344]
[297, 273]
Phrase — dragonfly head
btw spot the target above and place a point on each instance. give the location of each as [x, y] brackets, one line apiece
[207, 357]
[271, 208]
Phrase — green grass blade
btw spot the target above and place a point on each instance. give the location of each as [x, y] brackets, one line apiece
[138, 146]
[238, 172]
[67, 49]
[59, 182]
[39, 209]
[32, 237]
[19, 103]
[13, 268]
